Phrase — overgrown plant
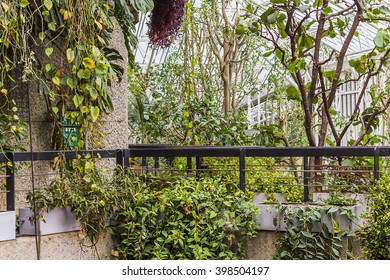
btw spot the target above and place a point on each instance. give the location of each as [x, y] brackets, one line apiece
[375, 236]
[181, 219]
[84, 188]
[12, 128]
[301, 243]
[62, 49]
[167, 119]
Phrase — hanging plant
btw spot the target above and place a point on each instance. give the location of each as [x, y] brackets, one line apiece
[165, 21]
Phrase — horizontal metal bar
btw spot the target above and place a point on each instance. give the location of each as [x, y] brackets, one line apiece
[201, 151]
[258, 151]
[49, 155]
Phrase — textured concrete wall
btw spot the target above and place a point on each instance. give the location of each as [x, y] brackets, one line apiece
[115, 129]
[65, 246]
[262, 247]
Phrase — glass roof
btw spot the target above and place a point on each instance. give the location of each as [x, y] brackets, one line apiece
[146, 56]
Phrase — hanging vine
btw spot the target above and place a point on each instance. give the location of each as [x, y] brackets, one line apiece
[62, 48]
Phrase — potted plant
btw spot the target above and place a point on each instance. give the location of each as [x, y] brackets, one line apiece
[82, 197]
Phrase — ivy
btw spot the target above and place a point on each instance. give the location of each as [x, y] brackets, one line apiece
[301, 243]
[63, 48]
[182, 218]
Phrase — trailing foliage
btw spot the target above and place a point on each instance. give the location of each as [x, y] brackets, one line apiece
[62, 48]
[375, 236]
[300, 243]
[165, 21]
[85, 189]
[182, 219]
[12, 128]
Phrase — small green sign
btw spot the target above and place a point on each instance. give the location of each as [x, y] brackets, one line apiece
[70, 128]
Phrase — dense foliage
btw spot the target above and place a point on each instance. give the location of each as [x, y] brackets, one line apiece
[182, 219]
[86, 189]
[375, 236]
[301, 243]
[196, 120]
[61, 48]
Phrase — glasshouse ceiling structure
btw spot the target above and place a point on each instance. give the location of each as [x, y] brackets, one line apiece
[146, 55]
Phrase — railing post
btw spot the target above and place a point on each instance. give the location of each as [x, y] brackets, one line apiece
[242, 169]
[306, 175]
[156, 165]
[189, 165]
[10, 182]
[376, 163]
[198, 165]
[119, 158]
[126, 159]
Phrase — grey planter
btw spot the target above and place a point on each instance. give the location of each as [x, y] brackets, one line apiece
[320, 197]
[271, 219]
[7, 225]
[56, 220]
[262, 197]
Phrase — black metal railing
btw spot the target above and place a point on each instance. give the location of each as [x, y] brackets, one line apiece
[159, 153]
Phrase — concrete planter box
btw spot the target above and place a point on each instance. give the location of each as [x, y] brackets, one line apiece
[271, 217]
[56, 220]
[7, 225]
[320, 197]
[263, 197]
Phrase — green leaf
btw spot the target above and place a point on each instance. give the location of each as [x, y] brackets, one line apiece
[382, 39]
[54, 109]
[326, 11]
[48, 67]
[86, 74]
[87, 178]
[95, 111]
[332, 111]
[49, 51]
[95, 52]
[24, 3]
[70, 82]
[48, 4]
[70, 55]
[93, 92]
[56, 80]
[52, 26]
[42, 36]
[293, 93]
[240, 30]
[212, 214]
[78, 100]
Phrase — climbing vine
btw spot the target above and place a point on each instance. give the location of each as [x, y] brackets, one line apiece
[61, 47]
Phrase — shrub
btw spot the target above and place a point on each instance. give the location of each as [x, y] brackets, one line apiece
[375, 236]
[182, 219]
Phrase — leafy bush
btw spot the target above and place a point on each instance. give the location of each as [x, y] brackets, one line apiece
[87, 190]
[182, 219]
[375, 236]
[300, 243]
[262, 175]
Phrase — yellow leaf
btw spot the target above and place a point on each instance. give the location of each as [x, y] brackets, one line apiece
[4, 91]
[9, 163]
[89, 63]
[66, 15]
